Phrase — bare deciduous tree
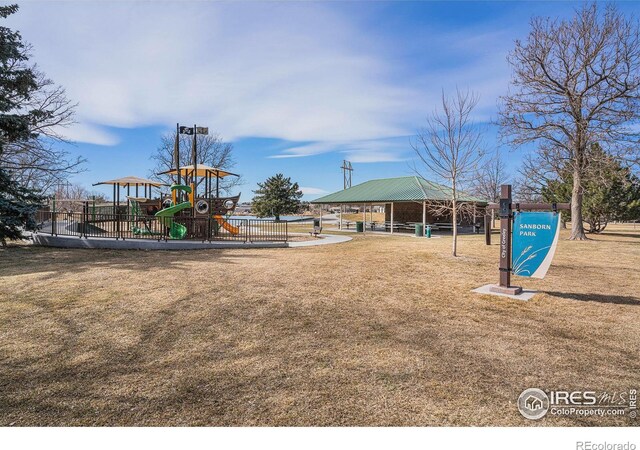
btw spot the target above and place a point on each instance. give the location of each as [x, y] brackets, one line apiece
[71, 196]
[575, 83]
[490, 175]
[211, 150]
[449, 148]
[40, 162]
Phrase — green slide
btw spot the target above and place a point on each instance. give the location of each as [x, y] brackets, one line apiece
[136, 217]
[176, 230]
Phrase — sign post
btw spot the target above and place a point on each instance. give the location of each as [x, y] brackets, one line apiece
[504, 287]
[533, 239]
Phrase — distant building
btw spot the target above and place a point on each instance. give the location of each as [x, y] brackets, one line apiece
[243, 208]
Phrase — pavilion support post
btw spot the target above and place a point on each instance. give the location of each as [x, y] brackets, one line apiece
[340, 218]
[391, 217]
[371, 215]
[474, 217]
[506, 215]
[364, 217]
[424, 218]
[320, 216]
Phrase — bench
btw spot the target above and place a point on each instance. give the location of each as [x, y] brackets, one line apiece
[397, 226]
[411, 226]
[445, 225]
[317, 229]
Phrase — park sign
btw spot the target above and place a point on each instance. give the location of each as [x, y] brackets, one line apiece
[535, 236]
[533, 240]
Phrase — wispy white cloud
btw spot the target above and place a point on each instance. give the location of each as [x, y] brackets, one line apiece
[91, 134]
[286, 71]
[312, 191]
[363, 151]
[300, 72]
[315, 148]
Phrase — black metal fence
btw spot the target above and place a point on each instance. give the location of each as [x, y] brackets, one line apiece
[125, 226]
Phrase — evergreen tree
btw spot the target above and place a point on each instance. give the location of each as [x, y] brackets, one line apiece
[17, 83]
[18, 207]
[276, 196]
[611, 191]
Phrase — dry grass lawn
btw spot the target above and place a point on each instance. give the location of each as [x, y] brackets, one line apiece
[376, 331]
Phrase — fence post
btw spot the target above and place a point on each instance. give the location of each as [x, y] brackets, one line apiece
[117, 224]
[82, 220]
[286, 231]
[54, 219]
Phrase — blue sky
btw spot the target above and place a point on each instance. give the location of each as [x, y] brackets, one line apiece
[296, 86]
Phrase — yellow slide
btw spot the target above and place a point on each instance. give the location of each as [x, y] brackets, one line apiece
[226, 225]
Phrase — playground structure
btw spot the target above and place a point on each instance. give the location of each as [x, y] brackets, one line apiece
[192, 209]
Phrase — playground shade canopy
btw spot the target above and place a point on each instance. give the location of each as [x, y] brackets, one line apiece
[389, 190]
[200, 171]
[132, 181]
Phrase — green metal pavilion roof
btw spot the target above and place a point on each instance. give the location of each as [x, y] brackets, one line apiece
[387, 190]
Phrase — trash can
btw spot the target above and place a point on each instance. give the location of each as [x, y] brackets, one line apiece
[359, 227]
[419, 230]
[428, 231]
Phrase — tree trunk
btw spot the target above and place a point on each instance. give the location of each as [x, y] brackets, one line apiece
[604, 225]
[577, 227]
[454, 249]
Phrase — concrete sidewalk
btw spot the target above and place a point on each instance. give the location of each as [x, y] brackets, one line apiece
[153, 244]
